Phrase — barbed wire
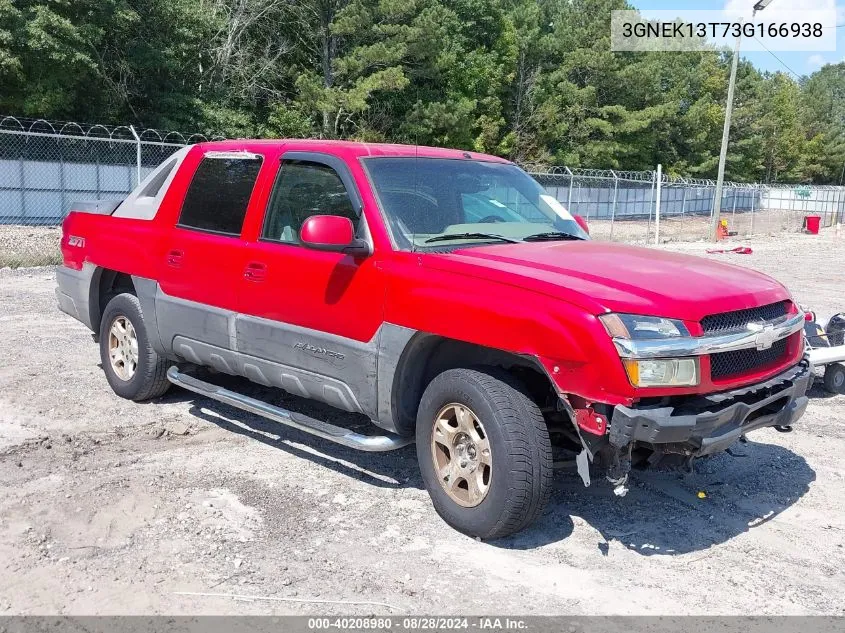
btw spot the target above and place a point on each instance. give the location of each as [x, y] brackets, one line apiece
[72, 129]
[124, 133]
[568, 175]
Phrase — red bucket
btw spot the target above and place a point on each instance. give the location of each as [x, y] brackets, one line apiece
[812, 222]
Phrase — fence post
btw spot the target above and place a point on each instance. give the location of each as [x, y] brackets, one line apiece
[825, 207]
[832, 205]
[97, 174]
[684, 201]
[613, 209]
[569, 196]
[579, 196]
[828, 203]
[650, 203]
[657, 205]
[138, 156]
[733, 211]
[791, 215]
[21, 172]
[754, 192]
[64, 210]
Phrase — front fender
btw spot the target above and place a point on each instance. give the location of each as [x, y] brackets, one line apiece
[568, 341]
[488, 313]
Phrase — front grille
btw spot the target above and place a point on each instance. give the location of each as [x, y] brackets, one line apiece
[742, 361]
[739, 319]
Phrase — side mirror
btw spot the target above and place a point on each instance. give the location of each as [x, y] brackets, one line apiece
[332, 233]
[582, 223]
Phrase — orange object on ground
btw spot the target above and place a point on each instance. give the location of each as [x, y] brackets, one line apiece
[722, 230]
[812, 223]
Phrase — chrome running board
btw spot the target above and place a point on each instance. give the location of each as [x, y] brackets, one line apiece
[336, 434]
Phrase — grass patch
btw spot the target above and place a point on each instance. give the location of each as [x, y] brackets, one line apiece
[16, 260]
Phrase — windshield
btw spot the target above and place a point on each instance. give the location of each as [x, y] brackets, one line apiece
[437, 202]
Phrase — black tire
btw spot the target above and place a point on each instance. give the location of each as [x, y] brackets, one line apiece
[521, 472]
[834, 378]
[150, 375]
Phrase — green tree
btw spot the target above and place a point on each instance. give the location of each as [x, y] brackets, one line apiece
[533, 80]
[823, 118]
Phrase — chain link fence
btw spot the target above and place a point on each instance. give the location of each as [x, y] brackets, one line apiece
[623, 206]
[45, 166]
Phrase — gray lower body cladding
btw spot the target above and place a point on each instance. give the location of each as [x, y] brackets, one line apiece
[709, 424]
[351, 375]
[73, 289]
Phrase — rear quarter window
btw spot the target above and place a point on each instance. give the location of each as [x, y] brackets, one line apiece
[219, 193]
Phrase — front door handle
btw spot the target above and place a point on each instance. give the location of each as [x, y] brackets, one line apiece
[174, 258]
[255, 271]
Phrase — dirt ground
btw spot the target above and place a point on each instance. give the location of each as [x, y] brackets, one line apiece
[110, 507]
[760, 224]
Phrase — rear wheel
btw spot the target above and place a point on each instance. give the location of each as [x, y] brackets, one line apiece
[834, 378]
[484, 452]
[133, 368]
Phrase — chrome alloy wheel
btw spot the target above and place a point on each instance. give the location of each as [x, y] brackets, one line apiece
[123, 348]
[461, 452]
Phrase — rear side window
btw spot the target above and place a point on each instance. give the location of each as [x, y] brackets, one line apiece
[219, 194]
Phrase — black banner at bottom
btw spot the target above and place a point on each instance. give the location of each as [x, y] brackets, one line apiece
[413, 623]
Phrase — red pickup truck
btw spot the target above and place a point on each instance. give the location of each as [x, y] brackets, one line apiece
[444, 295]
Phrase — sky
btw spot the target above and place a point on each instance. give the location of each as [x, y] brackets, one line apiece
[794, 63]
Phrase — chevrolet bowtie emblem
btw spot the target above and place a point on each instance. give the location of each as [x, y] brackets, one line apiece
[766, 335]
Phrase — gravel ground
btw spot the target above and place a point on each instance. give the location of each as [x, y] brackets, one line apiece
[111, 507]
[768, 223]
[29, 245]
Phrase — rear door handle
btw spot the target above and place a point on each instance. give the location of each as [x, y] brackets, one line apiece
[174, 258]
[255, 271]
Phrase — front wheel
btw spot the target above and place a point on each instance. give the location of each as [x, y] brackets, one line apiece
[484, 452]
[133, 368]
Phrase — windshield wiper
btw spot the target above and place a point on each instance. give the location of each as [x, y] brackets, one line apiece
[470, 236]
[548, 237]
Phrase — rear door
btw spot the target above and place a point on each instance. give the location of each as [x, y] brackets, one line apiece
[203, 263]
[309, 320]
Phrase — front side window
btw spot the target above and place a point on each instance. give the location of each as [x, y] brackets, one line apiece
[219, 193]
[432, 202]
[302, 189]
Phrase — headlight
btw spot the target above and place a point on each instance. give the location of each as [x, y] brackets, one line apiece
[662, 372]
[635, 327]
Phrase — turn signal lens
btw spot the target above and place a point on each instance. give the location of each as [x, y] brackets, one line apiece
[614, 325]
[663, 372]
[635, 327]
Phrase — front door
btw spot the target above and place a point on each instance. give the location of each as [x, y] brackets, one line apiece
[309, 319]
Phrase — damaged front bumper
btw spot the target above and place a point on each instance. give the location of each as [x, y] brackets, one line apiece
[708, 424]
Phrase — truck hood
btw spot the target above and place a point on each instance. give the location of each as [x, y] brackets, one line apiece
[605, 277]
